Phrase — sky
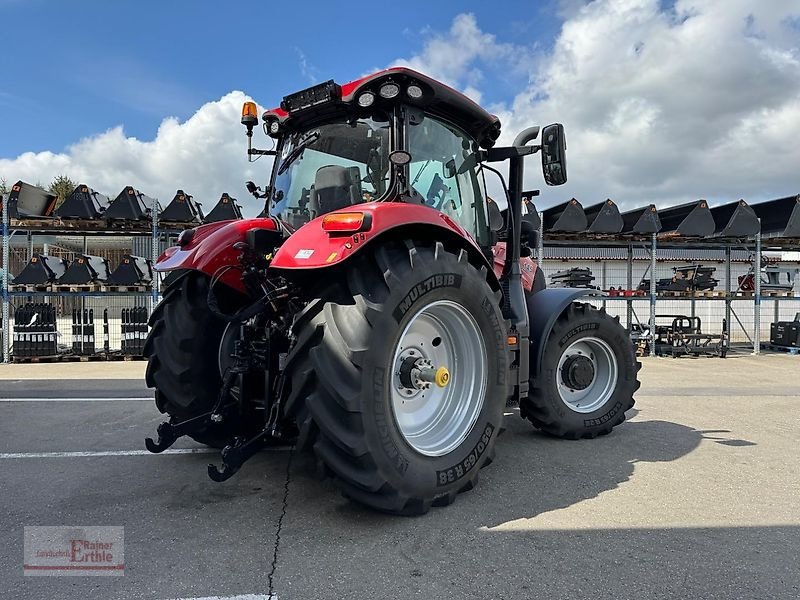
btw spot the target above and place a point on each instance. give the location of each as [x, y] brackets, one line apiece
[662, 101]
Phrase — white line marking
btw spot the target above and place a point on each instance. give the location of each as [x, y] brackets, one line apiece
[100, 453]
[150, 398]
[244, 597]
[10, 455]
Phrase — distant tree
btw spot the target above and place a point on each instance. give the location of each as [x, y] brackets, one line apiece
[62, 187]
[3, 186]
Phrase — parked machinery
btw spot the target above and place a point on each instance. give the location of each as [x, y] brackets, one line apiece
[83, 203]
[225, 209]
[85, 270]
[130, 205]
[679, 335]
[366, 320]
[29, 201]
[42, 270]
[785, 333]
[575, 277]
[182, 209]
[686, 278]
[132, 270]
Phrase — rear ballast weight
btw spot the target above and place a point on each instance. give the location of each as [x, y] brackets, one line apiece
[382, 312]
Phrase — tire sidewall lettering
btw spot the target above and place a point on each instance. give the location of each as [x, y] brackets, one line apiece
[406, 469]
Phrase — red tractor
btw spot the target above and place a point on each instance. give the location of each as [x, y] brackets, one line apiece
[382, 311]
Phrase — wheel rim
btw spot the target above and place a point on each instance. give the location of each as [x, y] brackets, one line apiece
[587, 374]
[439, 378]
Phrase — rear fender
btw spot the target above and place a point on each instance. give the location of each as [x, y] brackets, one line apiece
[311, 247]
[211, 248]
[544, 308]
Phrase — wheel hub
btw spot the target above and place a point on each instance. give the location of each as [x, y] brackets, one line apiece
[439, 377]
[578, 372]
[587, 374]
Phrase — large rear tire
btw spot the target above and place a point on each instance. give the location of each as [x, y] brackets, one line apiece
[182, 353]
[397, 439]
[588, 376]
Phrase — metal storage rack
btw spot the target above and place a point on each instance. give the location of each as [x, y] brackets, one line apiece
[31, 228]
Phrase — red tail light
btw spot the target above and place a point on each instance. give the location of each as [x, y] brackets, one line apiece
[347, 222]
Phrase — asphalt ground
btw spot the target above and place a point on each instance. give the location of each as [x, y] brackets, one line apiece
[697, 496]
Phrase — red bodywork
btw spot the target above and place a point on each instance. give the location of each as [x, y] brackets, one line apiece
[310, 247]
[527, 265]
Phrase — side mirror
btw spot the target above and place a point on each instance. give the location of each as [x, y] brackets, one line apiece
[554, 154]
[251, 187]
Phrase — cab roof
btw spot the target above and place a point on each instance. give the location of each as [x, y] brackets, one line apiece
[329, 98]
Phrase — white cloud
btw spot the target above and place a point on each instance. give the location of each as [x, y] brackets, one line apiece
[204, 155]
[667, 106]
[659, 105]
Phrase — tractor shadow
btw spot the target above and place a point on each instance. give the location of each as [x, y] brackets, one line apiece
[534, 474]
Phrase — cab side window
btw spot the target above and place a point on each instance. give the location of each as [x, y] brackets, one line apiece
[438, 152]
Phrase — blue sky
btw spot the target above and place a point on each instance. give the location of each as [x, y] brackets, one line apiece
[149, 93]
[74, 69]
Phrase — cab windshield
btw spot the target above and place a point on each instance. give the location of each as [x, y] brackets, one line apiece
[329, 167]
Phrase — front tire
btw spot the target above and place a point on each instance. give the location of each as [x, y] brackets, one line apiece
[588, 376]
[399, 429]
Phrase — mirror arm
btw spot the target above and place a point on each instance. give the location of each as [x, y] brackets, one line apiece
[257, 152]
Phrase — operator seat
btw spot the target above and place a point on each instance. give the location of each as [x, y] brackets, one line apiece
[335, 187]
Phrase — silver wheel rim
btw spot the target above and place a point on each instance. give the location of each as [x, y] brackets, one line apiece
[604, 380]
[435, 419]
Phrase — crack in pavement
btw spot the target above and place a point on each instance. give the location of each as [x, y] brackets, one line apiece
[279, 526]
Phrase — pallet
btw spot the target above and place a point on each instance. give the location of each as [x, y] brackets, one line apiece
[741, 294]
[777, 294]
[786, 349]
[177, 225]
[117, 356]
[74, 288]
[708, 294]
[36, 359]
[44, 287]
[124, 288]
[128, 224]
[82, 358]
[74, 358]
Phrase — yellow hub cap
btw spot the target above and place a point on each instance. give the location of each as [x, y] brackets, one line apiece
[442, 377]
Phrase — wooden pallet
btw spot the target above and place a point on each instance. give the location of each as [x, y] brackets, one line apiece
[82, 358]
[126, 224]
[709, 294]
[73, 288]
[175, 225]
[787, 349]
[37, 359]
[45, 287]
[124, 288]
[60, 358]
[741, 294]
[777, 294]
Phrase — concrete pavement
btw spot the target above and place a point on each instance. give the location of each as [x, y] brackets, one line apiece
[694, 497]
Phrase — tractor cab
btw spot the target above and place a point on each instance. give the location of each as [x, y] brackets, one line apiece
[394, 136]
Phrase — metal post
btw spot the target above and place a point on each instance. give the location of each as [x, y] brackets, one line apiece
[653, 295]
[604, 284]
[629, 286]
[728, 290]
[154, 256]
[6, 346]
[30, 246]
[757, 296]
[540, 248]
